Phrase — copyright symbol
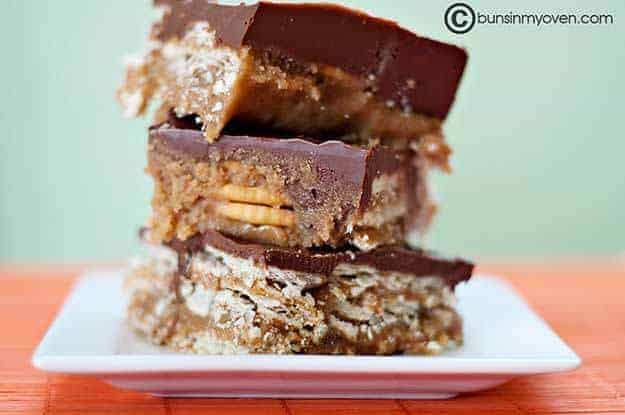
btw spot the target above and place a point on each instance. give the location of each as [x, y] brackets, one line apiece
[459, 18]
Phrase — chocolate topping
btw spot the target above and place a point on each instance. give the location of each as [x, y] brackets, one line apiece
[416, 262]
[336, 163]
[415, 73]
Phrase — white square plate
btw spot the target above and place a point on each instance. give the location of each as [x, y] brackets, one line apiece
[503, 339]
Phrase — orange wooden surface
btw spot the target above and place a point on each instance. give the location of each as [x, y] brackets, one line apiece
[583, 302]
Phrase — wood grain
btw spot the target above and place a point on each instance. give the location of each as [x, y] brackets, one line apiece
[582, 301]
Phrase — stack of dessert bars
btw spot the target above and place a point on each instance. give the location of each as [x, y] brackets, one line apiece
[290, 157]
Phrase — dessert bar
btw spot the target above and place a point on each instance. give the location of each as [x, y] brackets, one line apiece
[285, 192]
[213, 294]
[314, 69]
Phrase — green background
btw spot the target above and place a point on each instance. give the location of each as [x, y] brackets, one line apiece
[537, 131]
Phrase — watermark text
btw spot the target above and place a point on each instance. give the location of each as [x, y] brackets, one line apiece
[461, 18]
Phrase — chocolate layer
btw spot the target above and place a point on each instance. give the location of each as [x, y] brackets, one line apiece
[418, 74]
[401, 259]
[335, 162]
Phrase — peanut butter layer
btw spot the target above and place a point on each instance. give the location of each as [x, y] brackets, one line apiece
[382, 84]
[284, 192]
[212, 300]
